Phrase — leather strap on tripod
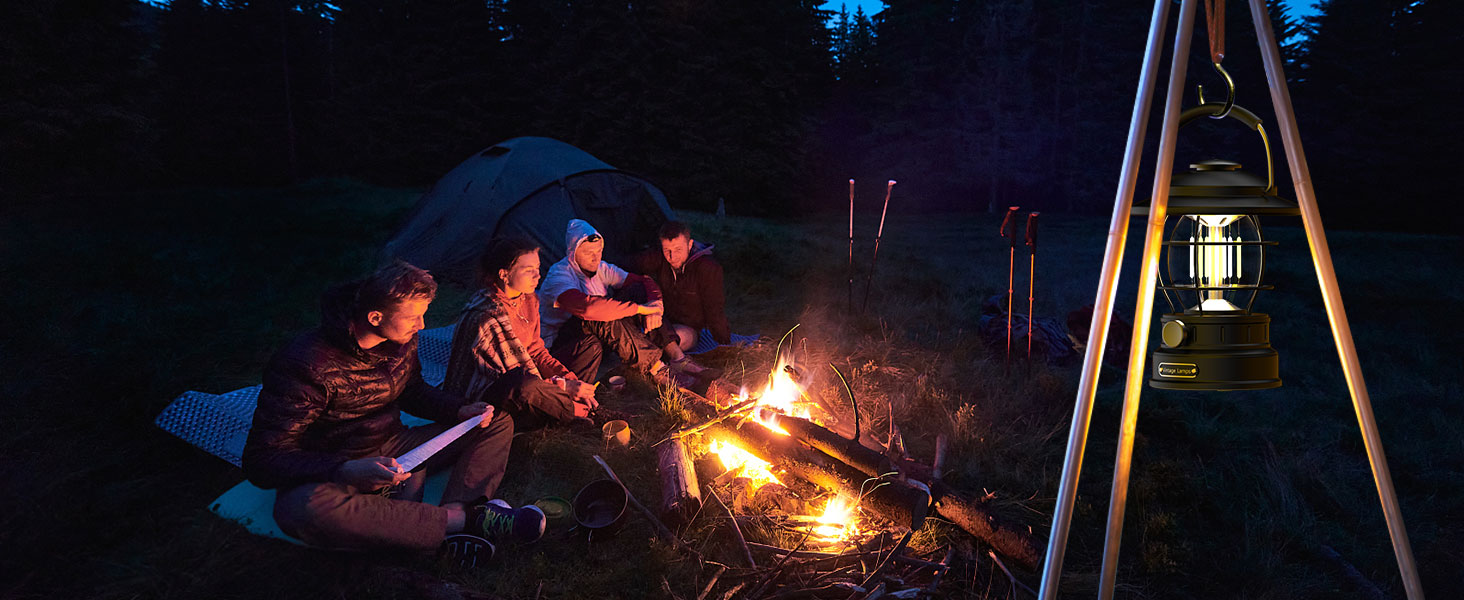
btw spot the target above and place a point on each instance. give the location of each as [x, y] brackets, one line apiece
[1215, 27]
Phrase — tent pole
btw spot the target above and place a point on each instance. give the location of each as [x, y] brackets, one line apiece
[1103, 305]
[1332, 296]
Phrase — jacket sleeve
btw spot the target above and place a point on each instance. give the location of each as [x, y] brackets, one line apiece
[426, 401]
[714, 302]
[291, 400]
[653, 291]
[593, 308]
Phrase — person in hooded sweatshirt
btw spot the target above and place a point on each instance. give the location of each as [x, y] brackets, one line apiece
[588, 306]
[691, 285]
[497, 353]
[327, 432]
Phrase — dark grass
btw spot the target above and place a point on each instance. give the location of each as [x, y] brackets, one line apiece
[114, 311]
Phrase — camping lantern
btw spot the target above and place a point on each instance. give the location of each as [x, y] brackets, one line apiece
[1214, 258]
[1203, 232]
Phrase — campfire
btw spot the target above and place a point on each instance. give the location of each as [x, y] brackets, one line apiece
[847, 509]
[838, 521]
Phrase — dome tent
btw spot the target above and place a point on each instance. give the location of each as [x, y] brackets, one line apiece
[530, 186]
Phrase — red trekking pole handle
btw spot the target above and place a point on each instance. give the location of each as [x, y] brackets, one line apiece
[1032, 230]
[1006, 221]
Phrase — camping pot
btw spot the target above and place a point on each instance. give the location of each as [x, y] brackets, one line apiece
[599, 506]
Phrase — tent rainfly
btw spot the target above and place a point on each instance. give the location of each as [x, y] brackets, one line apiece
[530, 186]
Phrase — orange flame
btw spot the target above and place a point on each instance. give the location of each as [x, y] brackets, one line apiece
[754, 468]
[837, 521]
[784, 396]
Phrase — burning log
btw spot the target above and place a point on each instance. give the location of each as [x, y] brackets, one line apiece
[680, 494]
[966, 512]
[893, 500]
[847, 451]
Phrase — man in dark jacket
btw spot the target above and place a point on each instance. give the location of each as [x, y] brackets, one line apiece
[327, 431]
[691, 285]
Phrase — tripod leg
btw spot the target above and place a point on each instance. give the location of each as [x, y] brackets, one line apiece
[1103, 306]
[1332, 298]
[1138, 348]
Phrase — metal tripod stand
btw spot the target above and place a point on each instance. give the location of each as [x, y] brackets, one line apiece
[1153, 238]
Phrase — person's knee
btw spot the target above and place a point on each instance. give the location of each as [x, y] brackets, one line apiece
[500, 428]
[685, 336]
[309, 511]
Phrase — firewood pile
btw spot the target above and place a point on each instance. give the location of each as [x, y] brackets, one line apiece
[809, 512]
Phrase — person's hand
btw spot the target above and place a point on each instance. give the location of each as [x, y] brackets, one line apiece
[649, 309]
[582, 393]
[653, 322]
[477, 408]
[370, 473]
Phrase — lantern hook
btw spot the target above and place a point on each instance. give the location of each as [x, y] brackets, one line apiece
[1230, 93]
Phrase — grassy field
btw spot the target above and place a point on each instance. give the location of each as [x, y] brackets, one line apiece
[114, 312]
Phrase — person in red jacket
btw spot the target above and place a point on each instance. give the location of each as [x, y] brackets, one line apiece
[691, 285]
[497, 355]
[327, 431]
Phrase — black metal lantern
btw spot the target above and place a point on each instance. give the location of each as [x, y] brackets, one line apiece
[1214, 257]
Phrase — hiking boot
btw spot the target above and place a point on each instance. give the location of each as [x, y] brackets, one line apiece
[497, 520]
[467, 550]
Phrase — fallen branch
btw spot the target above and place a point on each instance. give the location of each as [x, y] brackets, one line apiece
[838, 571]
[814, 554]
[1009, 575]
[945, 565]
[718, 418]
[735, 528]
[1003, 535]
[816, 592]
[727, 595]
[712, 582]
[666, 587]
[777, 569]
[900, 547]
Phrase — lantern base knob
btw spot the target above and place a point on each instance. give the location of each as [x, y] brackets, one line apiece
[1221, 352]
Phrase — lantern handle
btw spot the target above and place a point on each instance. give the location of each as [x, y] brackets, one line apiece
[1238, 113]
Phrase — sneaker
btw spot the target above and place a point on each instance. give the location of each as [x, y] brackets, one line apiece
[467, 550]
[498, 520]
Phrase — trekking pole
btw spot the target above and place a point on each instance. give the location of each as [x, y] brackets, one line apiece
[890, 185]
[1011, 235]
[850, 302]
[1031, 276]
